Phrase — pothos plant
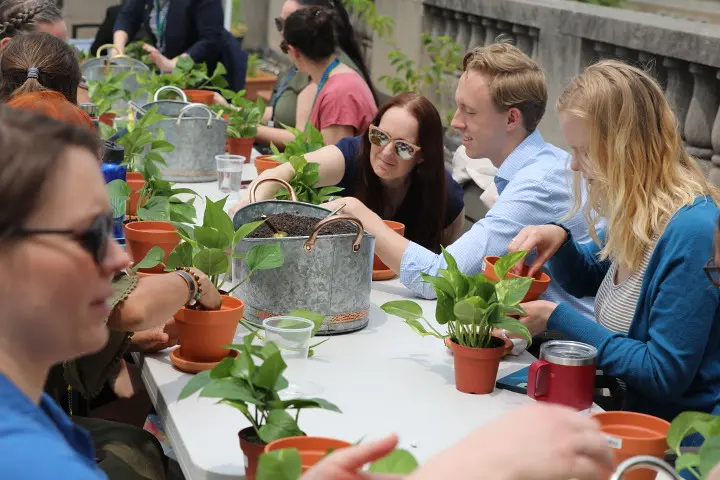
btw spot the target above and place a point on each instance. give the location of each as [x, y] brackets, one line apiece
[306, 176]
[135, 50]
[470, 305]
[699, 463]
[104, 93]
[244, 115]
[253, 388]
[186, 75]
[306, 141]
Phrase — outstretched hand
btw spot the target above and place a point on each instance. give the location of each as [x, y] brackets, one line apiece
[546, 239]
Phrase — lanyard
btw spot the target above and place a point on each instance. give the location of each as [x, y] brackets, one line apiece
[321, 84]
[160, 22]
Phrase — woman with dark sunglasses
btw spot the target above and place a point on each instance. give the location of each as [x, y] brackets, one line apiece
[288, 89]
[338, 101]
[396, 168]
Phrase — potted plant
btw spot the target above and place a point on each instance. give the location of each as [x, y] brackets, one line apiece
[707, 456]
[257, 80]
[106, 93]
[253, 389]
[306, 176]
[540, 283]
[192, 78]
[471, 307]
[288, 458]
[243, 121]
[306, 141]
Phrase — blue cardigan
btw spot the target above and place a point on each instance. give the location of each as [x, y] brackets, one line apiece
[670, 357]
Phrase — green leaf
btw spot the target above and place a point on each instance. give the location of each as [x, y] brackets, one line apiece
[279, 425]
[162, 146]
[300, 403]
[209, 237]
[398, 462]
[444, 309]
[268, 373]
[686, 424]
[265, 257]
[405, 309]
[222, 369]
[506, 263]
[687, 460]
[512, 325]
[512, 290]
[419, 328]
[182, 212]
[228, 389]
[316, 318]
[243, 366]
[216, 217]
[245, 230]
[439, 284]
[471, 311]
[268, 350]
[196, 383]
[211, 261]
[153, 258]
[709, 455]
[119, 189]
[284, 464]
[181, 256]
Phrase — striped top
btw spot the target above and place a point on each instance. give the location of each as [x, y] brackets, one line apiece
[615, 304]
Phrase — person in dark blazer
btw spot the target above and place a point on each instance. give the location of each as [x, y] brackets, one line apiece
[192, 27]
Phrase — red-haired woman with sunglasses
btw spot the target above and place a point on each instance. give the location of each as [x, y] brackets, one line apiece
[396, 168]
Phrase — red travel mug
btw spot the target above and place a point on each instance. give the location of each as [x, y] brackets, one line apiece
[565, 374]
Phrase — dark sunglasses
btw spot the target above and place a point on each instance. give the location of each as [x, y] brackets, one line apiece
[279, 24]
[94, 240]
[403, 149]
[713, 272]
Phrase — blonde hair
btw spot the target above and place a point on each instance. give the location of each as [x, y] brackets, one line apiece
[514, 80]
[641, 174]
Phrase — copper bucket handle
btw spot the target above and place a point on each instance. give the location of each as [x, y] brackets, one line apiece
[310, 242]
[285, 184]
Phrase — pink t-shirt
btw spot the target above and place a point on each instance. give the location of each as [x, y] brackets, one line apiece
[344, 100]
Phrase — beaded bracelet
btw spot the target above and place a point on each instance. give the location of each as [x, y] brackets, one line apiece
[197, 292]
[191, 284]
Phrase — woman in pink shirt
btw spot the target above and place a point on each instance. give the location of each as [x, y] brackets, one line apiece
[338, 102]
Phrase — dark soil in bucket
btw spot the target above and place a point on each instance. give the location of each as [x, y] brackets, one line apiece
[299, 226]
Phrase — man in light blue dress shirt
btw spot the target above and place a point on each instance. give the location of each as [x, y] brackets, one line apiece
[501, 98]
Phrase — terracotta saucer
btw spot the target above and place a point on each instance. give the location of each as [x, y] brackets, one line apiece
[383, 274]
[193, 367]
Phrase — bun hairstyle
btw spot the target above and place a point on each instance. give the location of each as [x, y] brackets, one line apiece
[21, 16]
[311, 30]
[38, 61]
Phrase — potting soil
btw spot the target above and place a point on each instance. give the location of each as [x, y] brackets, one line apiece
[299, 226]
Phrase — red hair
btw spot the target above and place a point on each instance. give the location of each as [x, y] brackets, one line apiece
[54, 105]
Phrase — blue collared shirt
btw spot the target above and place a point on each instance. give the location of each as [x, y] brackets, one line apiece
[534, 187]
[40, 442]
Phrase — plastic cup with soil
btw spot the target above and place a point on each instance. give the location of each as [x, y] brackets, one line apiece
[541, 280]
[380, 270]
[283, 225]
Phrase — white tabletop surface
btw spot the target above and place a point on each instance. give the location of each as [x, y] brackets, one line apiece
[384, 378]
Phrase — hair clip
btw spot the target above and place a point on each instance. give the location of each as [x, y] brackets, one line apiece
[33, 73]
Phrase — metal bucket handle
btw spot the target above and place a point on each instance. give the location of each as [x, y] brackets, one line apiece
[171, 88]
[109, 58]
[255, 185]
[310, 242]
[644, 461]
[195, 105]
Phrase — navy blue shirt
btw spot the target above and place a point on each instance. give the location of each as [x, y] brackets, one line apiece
[40, 442]
[350, 147]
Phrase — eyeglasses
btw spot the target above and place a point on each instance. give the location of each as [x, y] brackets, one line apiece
[279, 24]
[94, 240]
[713, 272]
[403, 149]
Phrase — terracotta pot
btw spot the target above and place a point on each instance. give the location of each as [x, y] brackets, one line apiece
[509, 345]
[264, 162]
[240, 146]
[397, 227]
[540, 283]
[632, 434]
[202, 333]
[136, 182]
[476, 368]
[108, 118]
[200, 96]
[252, 447]
[253, 85]
[142, 236]
[312, 449]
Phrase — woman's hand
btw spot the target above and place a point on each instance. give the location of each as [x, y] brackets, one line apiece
[538, 314]
[209, 298]
[155, 339]
[547, 239]
[347, 463]
[163, 63]
[353, 207]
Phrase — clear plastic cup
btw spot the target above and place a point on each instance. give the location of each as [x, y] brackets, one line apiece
[229, 171]
[291, 334]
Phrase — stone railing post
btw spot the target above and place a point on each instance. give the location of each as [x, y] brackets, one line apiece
[701, 112]
[715, 172]
[678, 92]
[463, 30]
[491, 31]
[477, 33]
[654, 65]
[523, 40]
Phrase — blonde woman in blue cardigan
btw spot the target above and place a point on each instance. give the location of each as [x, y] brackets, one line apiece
[658, 323]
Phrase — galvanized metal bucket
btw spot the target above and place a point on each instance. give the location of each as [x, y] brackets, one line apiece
[102, 67]
[330, 274]
[198, 135]
[644, 462]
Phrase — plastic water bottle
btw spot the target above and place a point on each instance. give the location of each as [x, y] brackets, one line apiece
[113, 155]
[92, 110]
